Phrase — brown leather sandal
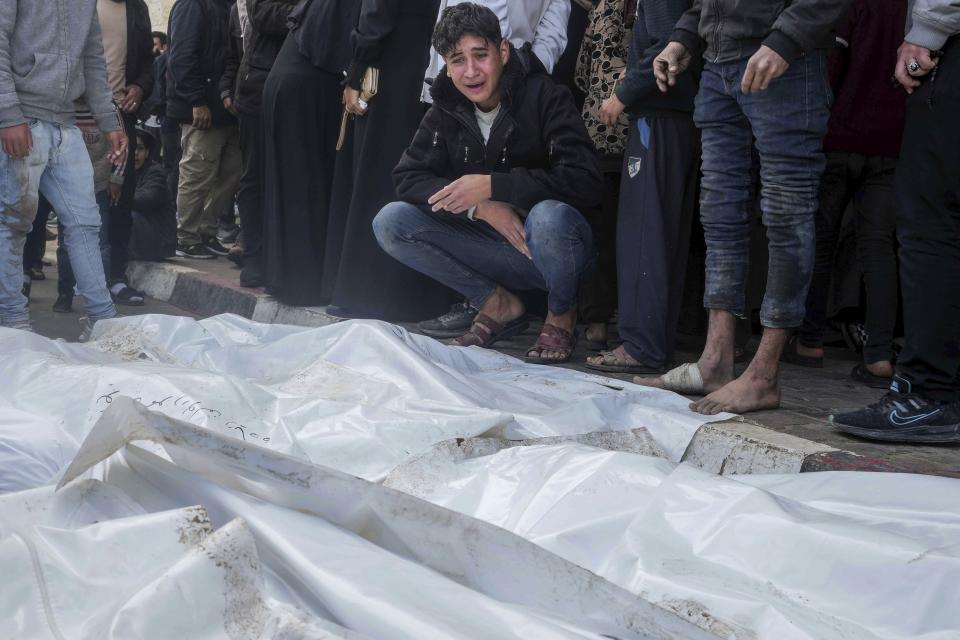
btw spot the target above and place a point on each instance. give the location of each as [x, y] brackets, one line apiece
[552, 338]
[485, 331]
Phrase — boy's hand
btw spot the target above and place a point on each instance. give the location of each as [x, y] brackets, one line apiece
[610, 110]
[118, 148]
[17, 140]
[460, 195]
[505, 220]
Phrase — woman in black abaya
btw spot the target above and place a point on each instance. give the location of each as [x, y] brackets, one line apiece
[301, 122]
[394, 37]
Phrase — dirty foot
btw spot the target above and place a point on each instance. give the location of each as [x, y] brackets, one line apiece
[743, 395]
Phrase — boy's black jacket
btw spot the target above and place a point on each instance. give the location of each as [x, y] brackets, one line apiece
[538, 148]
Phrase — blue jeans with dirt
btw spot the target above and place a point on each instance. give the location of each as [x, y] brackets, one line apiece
[783, 127]
[472, 258]
[59, 167]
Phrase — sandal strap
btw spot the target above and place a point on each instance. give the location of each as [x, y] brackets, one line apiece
[481, 332]
[553, 338]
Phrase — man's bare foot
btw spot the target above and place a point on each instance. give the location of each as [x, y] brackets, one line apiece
[743, 395]
[715, 369]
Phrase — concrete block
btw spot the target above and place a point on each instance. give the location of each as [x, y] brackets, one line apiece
[208, 296]
[847, 461]
[266, 310]
[157, 279]
[304, 316]
[739, 446]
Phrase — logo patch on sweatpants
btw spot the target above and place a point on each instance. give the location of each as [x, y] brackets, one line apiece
[633, 166]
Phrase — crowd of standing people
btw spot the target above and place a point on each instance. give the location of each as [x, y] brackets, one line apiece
[471, 164]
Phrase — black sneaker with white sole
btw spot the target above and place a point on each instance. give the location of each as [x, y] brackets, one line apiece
[452, 324]
[195, 251]
[214, 246]
[903, 417]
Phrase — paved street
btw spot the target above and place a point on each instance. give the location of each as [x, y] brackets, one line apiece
[66, 325]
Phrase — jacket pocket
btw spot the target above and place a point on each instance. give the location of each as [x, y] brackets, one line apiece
[49, 77]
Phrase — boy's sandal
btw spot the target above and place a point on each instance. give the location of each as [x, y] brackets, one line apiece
[485, 331]
[552, 338]
[612, 363]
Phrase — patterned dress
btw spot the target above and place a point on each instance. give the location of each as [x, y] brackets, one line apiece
[602, 61]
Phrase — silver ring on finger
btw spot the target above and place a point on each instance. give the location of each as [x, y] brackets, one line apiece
[913, 67]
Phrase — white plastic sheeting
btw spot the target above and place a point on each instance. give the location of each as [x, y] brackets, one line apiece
[236, 513]
[361, 396]
[830, 555]
[330, 550]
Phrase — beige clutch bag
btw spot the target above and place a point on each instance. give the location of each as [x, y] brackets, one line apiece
[368, 90]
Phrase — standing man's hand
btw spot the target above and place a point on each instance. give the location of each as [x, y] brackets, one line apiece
[133, 99]
[913, 62]
[202, 118]
[17, 140]
[671, 62]
[765, 66]
[505, 220]
[611, 109]
[228, 105]
[118, 148]
[463, 193]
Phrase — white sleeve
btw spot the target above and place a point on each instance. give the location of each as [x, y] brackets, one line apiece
[550, 38]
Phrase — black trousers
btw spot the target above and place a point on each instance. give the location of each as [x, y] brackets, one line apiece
[35, 246]
[927, 187]
[250, 191]
[172, 152]
[120, 223]
[868, 182]
[598, 299]
[658, 197]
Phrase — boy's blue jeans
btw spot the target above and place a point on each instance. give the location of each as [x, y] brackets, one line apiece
[472, 258]
[784, 127]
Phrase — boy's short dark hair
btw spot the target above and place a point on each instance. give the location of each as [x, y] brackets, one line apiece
[161, 35]
[467, 19]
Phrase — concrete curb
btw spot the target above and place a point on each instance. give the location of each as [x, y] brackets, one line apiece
[738, 446]
[206, 294]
